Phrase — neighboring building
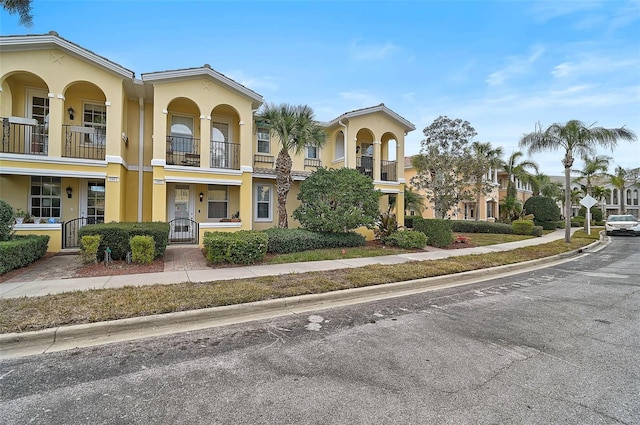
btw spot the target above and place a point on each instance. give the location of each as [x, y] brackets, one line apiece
[466, 210]
[609, 204]
[85, 141]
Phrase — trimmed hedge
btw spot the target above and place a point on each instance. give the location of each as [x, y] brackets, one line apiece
[142, 249]
[285, 241]
[89, 245]
[22, 251]
[408, 221]
[537, 231]
[116, 236]
[6, 220]
[242, 247]
[468, 226]
[408, 239]
[522, 227]
[438, 231]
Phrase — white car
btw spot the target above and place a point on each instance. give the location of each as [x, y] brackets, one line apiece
[622, 224]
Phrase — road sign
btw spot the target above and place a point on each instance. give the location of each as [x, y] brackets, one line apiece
[588, 201]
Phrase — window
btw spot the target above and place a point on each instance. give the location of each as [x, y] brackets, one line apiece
[264, 140]
[264, 202]
[339, 146]
[95, 116]
[219, 145]
[181, 134]
[218, 201]
[312, 152]
[45, 197]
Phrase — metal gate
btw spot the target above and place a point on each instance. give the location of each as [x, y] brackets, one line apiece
[183, 231]
[71, 230]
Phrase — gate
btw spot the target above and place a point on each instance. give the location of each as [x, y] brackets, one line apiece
[183, 231]
[70, 232]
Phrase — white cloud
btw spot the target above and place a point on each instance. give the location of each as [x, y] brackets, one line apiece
[595, 63]
[516, 65]
[360, 98]
[256, 83]
[546, 10]
[371, 52]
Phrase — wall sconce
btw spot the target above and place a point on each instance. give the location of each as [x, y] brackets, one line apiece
[71, 112]
[69, 192]
[201, 196]
[357, 149]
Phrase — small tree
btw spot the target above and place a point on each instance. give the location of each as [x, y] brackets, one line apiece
[337, 200]
[6, 220]
[545, 211]
[441, 167]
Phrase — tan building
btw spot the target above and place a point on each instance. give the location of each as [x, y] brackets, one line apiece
[86, 141]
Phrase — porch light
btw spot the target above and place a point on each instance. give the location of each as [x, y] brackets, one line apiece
[71, 112]
[201, 196]
[69, 192]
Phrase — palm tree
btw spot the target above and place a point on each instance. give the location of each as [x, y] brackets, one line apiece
[517, 170]
[483, 158]
[412, 200]
[295, 128]
[541, 184]
[510, 209]
[593, 167]
[575, 138]
[22, 8]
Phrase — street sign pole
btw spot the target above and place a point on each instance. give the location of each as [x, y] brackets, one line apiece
[588, 201]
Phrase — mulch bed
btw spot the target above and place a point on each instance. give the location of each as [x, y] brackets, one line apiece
[120, 267]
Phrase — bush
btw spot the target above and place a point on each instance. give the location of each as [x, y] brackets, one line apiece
[467, 226]
[387, 225]
[522, 227]
[285, 241]
[6, 220]
[89, 248]
[596, 213]
[577, 221]
[437, 230]
[142, 249]
[545, 211]
[537, 231]
[242, 247]
[22, 251]
[408, 221]
[408, 239]
[116, 236]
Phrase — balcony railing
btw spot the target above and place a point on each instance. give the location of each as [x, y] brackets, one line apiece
[24, 135]
[263, 159]
[388, 171]
[84, 142]
[312, 162]
[225, 155]
[364, 164]
[183, 151]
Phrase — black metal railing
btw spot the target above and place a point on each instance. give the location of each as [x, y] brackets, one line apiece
[25, 136]
[312, 162]
[183, 231]
[364, 164]
[263, 159]
[183, 151]
[225, 155]
[84, 142]
[71, 229]
[388, 171]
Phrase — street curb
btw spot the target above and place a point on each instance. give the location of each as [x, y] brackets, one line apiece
[67, 337]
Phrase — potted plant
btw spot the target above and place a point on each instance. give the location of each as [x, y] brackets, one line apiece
[236, 217]
[21, 216]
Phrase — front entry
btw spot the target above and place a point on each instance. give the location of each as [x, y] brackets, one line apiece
[183, 228]
[92, 205]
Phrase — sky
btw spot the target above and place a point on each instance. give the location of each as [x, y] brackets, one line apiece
[504, 66]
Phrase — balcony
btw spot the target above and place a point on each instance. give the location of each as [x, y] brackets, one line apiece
[263, 159]
[364, 164]
[312, 162]
[24, 136]
[225, 155]
[388, 169]
[183, 151]
[84, 142]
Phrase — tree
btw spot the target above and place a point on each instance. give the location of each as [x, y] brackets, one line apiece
[295, 128]
[623, 178]
[483, 157]
[440, 166]
[541, 184]
[510, 209]
[412, 200]
[575, 138]
[337, 200]
[22, 8]
[517, 170]
[593, 167]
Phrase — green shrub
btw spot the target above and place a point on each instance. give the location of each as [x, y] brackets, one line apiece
[6, 220]
[89, 248]
[522, 227]
[387, 225]
[470, 226]
[560, 224]
[537, 231]
[142, 249]
[596, 213]
[548, 225]
[437, 230]
[577, 221]
[242, 247]
[285, 241]
[545, 211]
[408, 239]
[116, 236]
[408, 221]
[22, 251]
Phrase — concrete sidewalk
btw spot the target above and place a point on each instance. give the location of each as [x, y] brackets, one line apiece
[56, 286]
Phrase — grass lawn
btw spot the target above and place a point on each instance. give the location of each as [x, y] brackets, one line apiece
[27, 314]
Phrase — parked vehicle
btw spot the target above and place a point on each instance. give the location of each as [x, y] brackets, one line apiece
[620, 224]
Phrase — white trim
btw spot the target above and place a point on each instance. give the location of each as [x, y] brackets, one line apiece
[255, 203]
[49, 160]
[402, 180]
[221, 225]
[246, 169]
[187, 169]
[201, 180]
[39, 226]
[158, 162]
[145, 168]
[114, 159]
[52, 173]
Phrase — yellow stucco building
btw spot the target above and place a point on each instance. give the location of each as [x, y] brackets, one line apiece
[85, 141]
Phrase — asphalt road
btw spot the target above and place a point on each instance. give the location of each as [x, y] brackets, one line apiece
[557, 346]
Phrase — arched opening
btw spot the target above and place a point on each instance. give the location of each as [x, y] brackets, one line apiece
[338, 146]
[225, 137]
[183, 135]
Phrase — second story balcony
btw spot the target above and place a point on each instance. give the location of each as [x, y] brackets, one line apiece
[225, 155]
[388, 169]
[183, 151]
[84, 142]
[24, 136]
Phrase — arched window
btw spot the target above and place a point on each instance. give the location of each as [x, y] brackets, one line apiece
[181, 134]
[338, 147]
[628, 198]
[615, 197]
[635, 197]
